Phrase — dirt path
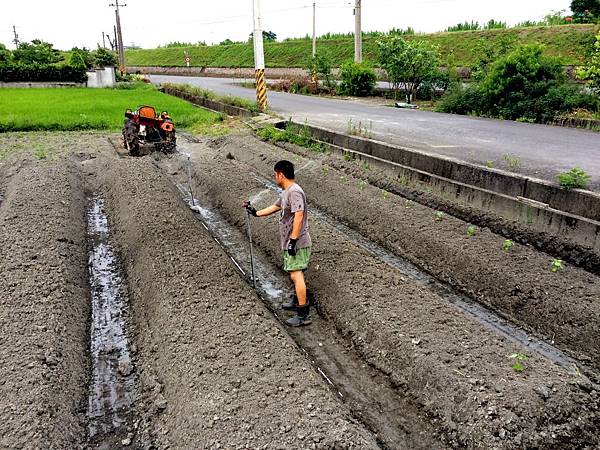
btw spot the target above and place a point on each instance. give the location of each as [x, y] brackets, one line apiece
[214, 368]
[561, 307]
[457, 371]
[43, 307]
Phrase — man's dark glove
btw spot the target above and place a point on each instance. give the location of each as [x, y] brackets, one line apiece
[251, 209]
[291, 249]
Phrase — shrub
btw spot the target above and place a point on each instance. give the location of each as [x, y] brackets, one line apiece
[523, 85]
[321, 66]
[36, 52]
[591, 71]
[358, 79]
[576, 178]
[43, 73]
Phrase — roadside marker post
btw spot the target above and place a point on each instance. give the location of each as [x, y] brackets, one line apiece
[259, 58]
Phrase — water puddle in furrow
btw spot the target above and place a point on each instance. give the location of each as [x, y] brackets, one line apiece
[469, 306]
[112, 384]
[370, 396]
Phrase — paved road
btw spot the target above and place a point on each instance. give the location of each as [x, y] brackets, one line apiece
[541, 150]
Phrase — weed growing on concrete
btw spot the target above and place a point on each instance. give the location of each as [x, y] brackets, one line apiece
[576, 178]
[360, 130]
[439, 216]
[489, 164]
[557, 264]
[519, 358]
[507, 245]
[513, 162]
[471, 230]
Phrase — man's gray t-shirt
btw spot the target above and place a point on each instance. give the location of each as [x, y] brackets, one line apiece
[291, 200]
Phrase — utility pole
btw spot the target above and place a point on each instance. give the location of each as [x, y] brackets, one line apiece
[357, 32]
[103, 40]
[259, 57]
[116, 40]
[16, 39]
[314, 42]
[122, 67]
[111, 42]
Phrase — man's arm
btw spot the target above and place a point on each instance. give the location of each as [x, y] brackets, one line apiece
[268, 211]
[297, 225]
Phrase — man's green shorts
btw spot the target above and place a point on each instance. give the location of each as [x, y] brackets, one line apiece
[298, 262]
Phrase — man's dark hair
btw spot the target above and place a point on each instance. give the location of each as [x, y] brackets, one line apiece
[286, 168]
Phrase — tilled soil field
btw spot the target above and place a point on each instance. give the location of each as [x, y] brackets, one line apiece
[44, 306]
[456, 369]
[211, 364]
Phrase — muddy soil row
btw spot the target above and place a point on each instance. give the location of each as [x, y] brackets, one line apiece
[215, 369]
[44, 306]
[561, 307]
[457, 371]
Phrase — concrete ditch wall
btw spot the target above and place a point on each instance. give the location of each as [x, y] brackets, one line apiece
[210, 104]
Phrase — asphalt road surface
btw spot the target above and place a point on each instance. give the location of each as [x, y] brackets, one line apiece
[537, 150]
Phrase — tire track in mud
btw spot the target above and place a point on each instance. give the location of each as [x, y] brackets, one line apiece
[457, 371]
[369, 395]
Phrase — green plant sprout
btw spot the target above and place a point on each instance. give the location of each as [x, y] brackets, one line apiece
[471, 230]
[489, 164]
[519, 358]
[348, 157]
[385, 194]
[514, 162]
[557, 264]
[362, 185]
[343, 178]
[439, 216]
[408, 204]
[507, 245]
[325, 168]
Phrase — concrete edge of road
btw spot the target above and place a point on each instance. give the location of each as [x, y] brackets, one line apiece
[537, 204]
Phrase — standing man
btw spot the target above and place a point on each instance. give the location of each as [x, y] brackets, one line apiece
[295, 239]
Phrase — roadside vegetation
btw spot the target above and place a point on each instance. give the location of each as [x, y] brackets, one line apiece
[74, 109]
[457, 49]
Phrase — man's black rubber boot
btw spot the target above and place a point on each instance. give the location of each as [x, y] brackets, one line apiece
[301, 318]
[291, 305]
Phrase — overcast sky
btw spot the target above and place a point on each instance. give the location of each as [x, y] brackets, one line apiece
[149, 23]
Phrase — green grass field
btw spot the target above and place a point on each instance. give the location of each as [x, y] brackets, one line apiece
[461, 49]
[72, 109]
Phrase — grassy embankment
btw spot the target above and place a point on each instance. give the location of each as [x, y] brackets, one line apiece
[73, 109]
[460, 49]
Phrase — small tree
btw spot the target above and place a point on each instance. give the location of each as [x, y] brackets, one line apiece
[5, 55]
[408, 62]
[105, 58]
[320, 66]
[591, 72]
[81, 58]
[36, 52]
[585, 11]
